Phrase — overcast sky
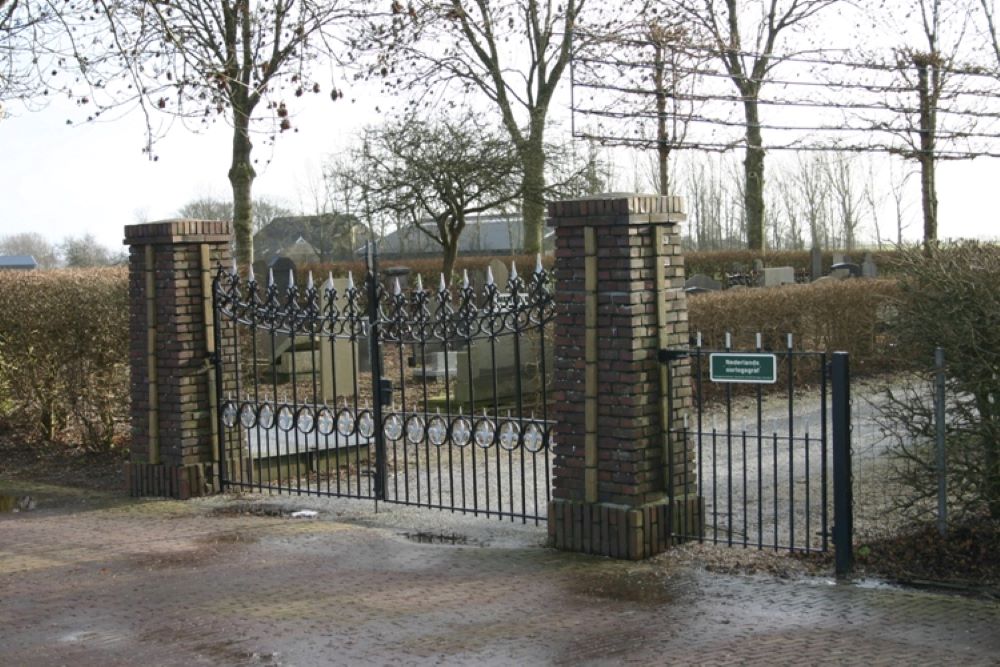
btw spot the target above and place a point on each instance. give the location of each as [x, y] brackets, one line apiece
[62, 180]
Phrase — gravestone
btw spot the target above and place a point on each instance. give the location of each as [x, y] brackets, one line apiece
[501, 274]
[479, 360]
[779, 275]
[840, 258]
[334, 361]
[815, 264]
[394, 274]
[868, 268]
[699, 283]
[758, 265]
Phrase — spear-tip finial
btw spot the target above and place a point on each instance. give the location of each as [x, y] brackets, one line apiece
[442, 284]
[291, 278]
[465, 279]
[309, 281]
[250, 276]
[420, 283]
[489, 276]
[513, 270]
[396, 289]
[270, 277]
[350, 280]
[329, 281]
[538, 263]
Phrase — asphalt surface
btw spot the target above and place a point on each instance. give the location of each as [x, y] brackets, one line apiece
[91, 579]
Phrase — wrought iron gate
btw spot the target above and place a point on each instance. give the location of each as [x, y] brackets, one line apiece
[766, 429]
[437, 398]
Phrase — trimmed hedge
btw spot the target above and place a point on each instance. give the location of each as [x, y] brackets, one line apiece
[847, 315]
[64, 354]
[717, 263]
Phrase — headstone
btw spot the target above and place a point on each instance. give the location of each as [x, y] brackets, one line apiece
[699, 282]
[435, 365]
[501, 274]
[815, 264]
[280, 266]
[839, 258]
[779, 275]
[868, 268]
[479, 360]
[397, 273]
[334, 362]
[758, 265]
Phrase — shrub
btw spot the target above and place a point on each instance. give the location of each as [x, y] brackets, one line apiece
[950, 299]
[843, 315]
[64, 353]
[717, 263]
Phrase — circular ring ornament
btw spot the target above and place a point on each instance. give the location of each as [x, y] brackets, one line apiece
[485, 432]
[229, 414]
[286, 419]
[461, 432]
[437, 431]
[415, 429]
[305, 421]
[533, 438]
[325, 421]
[248, 416]
[509, 436]
[265, 416]
[345, 422]
[393, 427]
[366, 425]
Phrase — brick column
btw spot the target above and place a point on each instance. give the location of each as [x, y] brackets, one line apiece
[174, 439]
[620, 300]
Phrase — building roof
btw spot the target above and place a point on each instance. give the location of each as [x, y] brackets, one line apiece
[17, 262]
[487, 234]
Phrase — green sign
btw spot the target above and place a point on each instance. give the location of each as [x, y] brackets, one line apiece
[739, 367]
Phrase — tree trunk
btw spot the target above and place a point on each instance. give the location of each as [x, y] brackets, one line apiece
[928, 132]
[753, 171]
[241, 177]
[533, 191]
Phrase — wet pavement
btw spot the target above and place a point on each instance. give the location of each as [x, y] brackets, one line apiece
[90, 579]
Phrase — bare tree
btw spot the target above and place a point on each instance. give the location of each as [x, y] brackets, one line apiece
[209, 208]
[30, 243]
[208, 59]
[847, 198]
[511, 53]
[746, 51]
[435, 174]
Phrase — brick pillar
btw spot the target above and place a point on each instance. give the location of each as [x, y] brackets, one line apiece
[174, 439]
[619, 300]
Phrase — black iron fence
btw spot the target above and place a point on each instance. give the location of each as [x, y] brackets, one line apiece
[437, 398]
[766, 429]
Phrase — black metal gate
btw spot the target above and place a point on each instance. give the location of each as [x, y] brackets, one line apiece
[436, 398]
[766, 430]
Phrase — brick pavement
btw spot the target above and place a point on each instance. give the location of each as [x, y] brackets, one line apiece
[118, 582]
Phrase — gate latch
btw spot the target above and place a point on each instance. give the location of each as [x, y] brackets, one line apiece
[385, 391]
[665, 356]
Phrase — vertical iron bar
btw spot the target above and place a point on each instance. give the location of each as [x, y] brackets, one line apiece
[824, 458]
[219, 388]
[375, 355]
[843, 526]
[942, 460]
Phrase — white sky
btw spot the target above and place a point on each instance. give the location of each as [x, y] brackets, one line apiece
[62, 180]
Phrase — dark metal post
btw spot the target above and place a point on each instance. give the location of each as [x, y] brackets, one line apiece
[939, 423]
[374, 334]
[843, 497]
[216, 361]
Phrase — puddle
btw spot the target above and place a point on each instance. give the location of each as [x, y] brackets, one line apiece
[16, 503]
[441, 538]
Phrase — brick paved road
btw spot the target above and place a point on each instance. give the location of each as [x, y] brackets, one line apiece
[111, 582]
